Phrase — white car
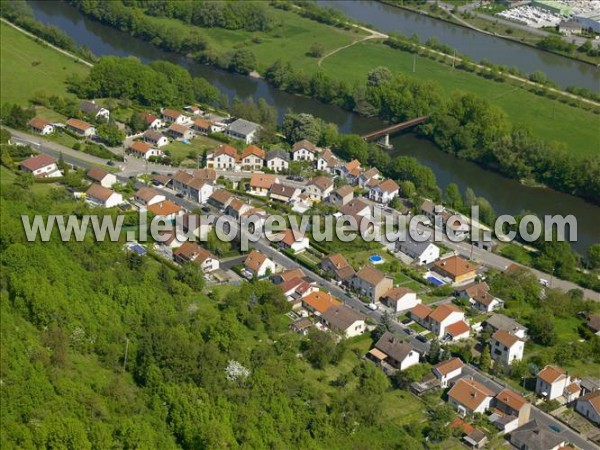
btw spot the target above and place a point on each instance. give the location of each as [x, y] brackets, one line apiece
[544, 282]
[372, 306]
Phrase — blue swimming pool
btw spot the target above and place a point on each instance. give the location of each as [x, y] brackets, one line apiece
[434, 280]
[376, 259]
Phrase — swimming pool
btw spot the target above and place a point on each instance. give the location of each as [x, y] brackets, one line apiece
[376, 259]
[434, 280]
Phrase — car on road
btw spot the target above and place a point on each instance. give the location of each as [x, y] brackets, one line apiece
[409, 331]
[205, 209]
[372, 306]
[179, 195]
[421, 338]
[406, 321]
[111, 163]
[554, 428]
[544, 282]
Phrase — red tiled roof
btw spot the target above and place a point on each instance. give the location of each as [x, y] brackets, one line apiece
[457, 328]
[442, 312]
[550, 374]
[421, 311]
[164, 208]
[38, 123]
[37, 162]
[449, 366]
[79, 124]
[140, 147]
[505, 338]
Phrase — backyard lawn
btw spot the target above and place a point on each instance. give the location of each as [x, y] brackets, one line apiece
[29, 67]
[187, 154]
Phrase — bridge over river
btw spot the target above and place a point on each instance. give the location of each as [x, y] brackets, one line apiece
[383, 136]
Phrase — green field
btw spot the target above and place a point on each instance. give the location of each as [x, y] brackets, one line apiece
[29, 67]
[551, 120]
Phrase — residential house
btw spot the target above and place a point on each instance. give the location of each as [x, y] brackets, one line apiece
[209, 175]
[297, 288]
[174, 116]
[448, 370]
[535, 436]
[91, 109]
[589, 385]
[476, 438]
[327, 162]
[295, 242]
[278, 160]
[41, 126]
[572, 392]
[144, 150]
[482, 300]
[356, 208]
[165, 209]
[593, 323]
[283, 193]
[244, 130]
[372, 282]
[102, 177]
[171, 238]
[506, 347]
[260, 183]
[304, 150]
[220, 199]
[469, 396]
[400, 299]
[341, 196]
[41, 166]
[253, 158]
[423, 253]
[237, 208]
[430, 210]
[81, 128]
[190, 252]
[457, 269]
[589, 406]
[551, 382]
[180, 132]
[152, 122]
[384, 192]
[258, 264]
[155, 138]
[509, 403]
[337, 265]
[193, 225]
[224, 157]
[204, 126]
[501, 322]
[344, 320]
[392, 351]
[457, 331]
[98, 195]
[319, 188]
[420, 314]
[370, 175]
[199, 190]
[287, 275]
[351, 167]
[147, 196]
[301, 326]
[319, 302]
[442, 317]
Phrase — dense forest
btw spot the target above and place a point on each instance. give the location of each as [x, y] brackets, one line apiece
[103, 349]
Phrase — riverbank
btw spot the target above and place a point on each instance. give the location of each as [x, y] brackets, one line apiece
[471, 23]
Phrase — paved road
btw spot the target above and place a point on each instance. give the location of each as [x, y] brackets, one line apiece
[540, 416]
[135, 166]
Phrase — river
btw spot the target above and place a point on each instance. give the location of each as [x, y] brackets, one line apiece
[506, 196]
[559, 69]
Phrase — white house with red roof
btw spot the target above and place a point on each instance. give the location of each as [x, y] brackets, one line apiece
[174, 116]
[152, 122]
[98, 195]
[384, 191]
[446, 371]
[41, 166]
[223, 157]
[589, 406]
[469, 396]
[297, 242]
[400, 299]
[102, 177]
[551, 382]
[144, 150]
[304, 150]
[155, 138]
[81, 128]
[258, 264]
[506, 347]
[444, 316]
[41, 126]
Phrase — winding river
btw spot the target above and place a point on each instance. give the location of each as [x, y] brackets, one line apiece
[506, 196]
[561, 70]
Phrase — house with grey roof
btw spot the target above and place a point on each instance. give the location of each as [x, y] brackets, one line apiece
[243, 130]
[533, 436]
[91, 109]
[501, 322]
[278, 160]
[390, 350]
[422, 253]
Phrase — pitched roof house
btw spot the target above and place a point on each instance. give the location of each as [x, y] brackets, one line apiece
[589, 406]
[147, 196]
[174, 116]
[319, 302]
[423, 253]
[372, 282]
[551, 382]
[221, 199]
[155, 138]
[283, 193]
[400, 299]
[344, 320]
[90, 108]
[253, 158]
[319, 188]
[512, 404]
[502, 322]
[469, 396]
[101, 176]
[506, 347]
[100, 196]
[278, 160]
[81, 128]
[443, 317]
[446, 371]
[41, 126]
[337, 265]
[258, 264]
[260, 183]
[191, 252]
[165, 209]
[458, 269]
[304, 150]
[533, 436]
[384, 191]
[341, 195]
[392, 351]
[41, 166]
[243, 130]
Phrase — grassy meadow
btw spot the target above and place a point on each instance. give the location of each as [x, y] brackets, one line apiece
[29, 66]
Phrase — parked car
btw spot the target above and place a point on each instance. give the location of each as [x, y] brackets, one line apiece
[421, 338]
[372, 306]
[110, 163]
[406, 321]
[554, 428]
[544, 282]
[179, 195]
